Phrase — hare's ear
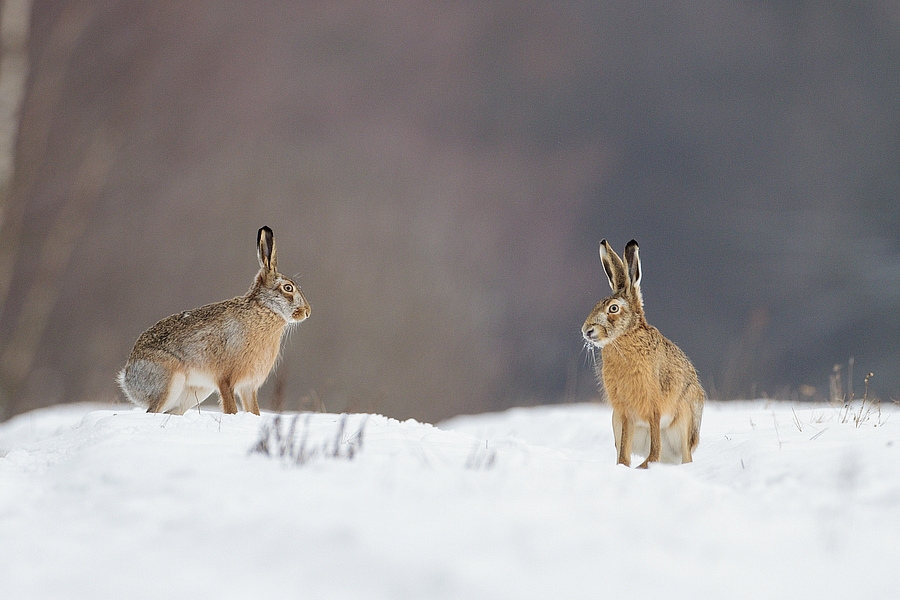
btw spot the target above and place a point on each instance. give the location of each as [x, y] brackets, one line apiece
[612, 264]
[633, 261]
[265, 247]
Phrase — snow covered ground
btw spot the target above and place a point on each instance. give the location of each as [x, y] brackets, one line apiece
[781, 502]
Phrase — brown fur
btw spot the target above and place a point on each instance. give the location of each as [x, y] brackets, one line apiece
[649, 381]
[229, 346]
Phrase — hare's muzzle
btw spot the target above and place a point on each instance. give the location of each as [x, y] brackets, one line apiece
[301, 314]
[594, 334]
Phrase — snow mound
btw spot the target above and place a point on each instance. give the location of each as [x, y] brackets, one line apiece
[110, 502]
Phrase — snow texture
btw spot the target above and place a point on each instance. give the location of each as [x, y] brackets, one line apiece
[781, 502]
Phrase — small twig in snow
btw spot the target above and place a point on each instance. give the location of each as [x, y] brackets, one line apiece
[797, 420]
[777, 434]
[274, 441]
[481, 460]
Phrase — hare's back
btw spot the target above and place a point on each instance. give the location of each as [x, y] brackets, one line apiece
[189, 332]
[671, 356]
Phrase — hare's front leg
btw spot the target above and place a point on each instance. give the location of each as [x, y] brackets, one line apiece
[655, 443]
[226, 395]
[623, 431]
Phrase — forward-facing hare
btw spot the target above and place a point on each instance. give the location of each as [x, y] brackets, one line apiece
[656, 397]
[229, 346]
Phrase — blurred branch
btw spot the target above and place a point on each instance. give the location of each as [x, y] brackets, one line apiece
[15, 16]
[33, 133]
[26, 150]
[59, 244]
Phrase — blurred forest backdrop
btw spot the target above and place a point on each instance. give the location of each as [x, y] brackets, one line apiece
[438, 175]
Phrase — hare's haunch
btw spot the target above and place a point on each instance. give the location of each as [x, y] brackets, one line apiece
[656, 397]
[229, 346]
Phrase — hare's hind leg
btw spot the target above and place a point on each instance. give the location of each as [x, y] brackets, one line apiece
[691, 438]
[686, 430]
[191, 397]
[672, 452]
[171, 397]
[686, 455]
[676, 437]
[695, 427]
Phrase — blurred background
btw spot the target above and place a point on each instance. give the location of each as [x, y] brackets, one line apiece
[438, 176]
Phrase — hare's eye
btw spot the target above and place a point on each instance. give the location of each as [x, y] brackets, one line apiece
[288, 288]
[613, 309]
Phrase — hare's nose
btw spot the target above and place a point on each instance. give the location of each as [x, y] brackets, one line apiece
[589, 332]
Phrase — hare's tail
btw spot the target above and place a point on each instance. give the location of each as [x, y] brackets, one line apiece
[142, 382]
[121, 379]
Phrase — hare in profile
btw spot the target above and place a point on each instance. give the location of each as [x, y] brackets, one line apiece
[656, 397]
[230, 346]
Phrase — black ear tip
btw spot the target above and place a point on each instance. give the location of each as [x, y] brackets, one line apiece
[633, 243]
[265, 233]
